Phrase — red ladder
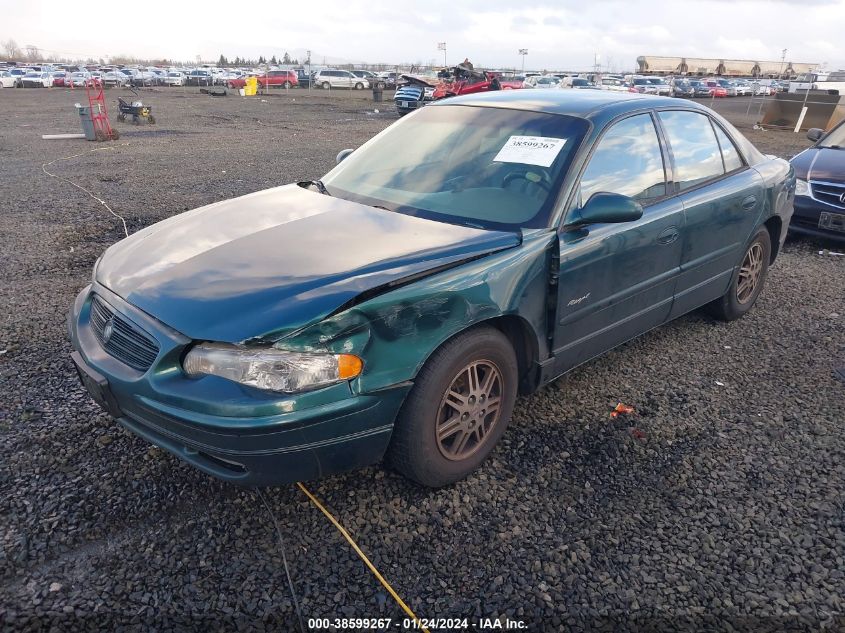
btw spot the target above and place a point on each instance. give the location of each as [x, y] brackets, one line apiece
[99, 113]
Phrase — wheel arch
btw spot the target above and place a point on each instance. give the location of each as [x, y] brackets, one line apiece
[525, 345]
[523, 340]
[774, 225]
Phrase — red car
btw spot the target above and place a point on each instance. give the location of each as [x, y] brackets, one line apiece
[715, 89]
[283, 78]
[463, 81]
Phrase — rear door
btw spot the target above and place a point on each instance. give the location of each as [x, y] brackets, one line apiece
[723, 200]
[617, 280]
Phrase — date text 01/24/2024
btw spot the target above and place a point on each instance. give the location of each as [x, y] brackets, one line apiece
[408, 624]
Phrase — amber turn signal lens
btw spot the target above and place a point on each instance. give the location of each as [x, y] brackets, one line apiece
[348, 366]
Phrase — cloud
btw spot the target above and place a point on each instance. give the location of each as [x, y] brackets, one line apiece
[561, 34]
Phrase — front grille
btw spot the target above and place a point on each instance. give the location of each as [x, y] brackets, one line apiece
[409, 93]
[828, 192]
[127, 343]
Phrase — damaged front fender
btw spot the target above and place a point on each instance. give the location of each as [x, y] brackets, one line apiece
[397, 331]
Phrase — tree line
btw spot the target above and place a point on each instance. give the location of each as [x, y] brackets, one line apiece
[286, 59]
[11, 51]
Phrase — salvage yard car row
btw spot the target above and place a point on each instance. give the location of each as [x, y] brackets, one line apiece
[49, 76]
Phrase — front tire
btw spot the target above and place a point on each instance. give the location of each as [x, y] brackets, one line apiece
[747, 281]
[326, 85]
[459, 408]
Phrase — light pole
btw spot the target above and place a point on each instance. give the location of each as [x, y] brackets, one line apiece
[441, 46]
[309, 70]
[523, 52]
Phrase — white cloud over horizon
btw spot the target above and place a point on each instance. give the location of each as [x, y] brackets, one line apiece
[558, 35]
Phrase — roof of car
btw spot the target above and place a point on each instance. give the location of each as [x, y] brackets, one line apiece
[584, 103]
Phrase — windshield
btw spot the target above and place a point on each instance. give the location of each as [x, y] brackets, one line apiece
[486, 167]
[836, 138]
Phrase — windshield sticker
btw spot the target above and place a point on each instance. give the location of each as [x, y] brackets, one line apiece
[530, 150]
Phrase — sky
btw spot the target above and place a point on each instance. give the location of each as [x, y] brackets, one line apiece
[562, 35]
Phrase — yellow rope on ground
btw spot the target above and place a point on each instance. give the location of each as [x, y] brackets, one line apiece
[363, 556]
[44, 167]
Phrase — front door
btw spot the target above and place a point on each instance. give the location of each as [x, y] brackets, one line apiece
[617, 280]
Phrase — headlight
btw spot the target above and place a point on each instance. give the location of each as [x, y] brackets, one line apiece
[270, 368]
[801, 187]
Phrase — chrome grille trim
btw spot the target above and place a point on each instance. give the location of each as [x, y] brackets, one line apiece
[128, 343]
[828, 192]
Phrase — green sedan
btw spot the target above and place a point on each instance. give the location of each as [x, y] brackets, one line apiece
[393, 310]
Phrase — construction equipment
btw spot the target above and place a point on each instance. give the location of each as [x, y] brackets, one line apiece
[97, 111]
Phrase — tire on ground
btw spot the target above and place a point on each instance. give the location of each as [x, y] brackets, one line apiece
[729, 307]
[414, 449]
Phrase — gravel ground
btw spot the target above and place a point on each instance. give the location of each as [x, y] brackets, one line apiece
[718, 505]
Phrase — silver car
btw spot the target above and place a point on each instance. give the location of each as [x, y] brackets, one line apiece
[338, 79]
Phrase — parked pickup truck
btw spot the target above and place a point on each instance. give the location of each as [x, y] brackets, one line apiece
[412, 93]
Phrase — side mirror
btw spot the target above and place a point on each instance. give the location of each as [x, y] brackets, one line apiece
[606, 207]
[342, 154]
[814, 134]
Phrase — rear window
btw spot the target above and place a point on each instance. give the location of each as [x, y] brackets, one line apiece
[730, 154]
[698, 157]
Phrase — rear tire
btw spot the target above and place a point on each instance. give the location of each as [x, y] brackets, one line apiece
[458, 409]
[747, 281]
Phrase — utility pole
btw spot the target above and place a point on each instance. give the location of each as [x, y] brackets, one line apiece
[523, 52]
[782, 61]
[441, 46]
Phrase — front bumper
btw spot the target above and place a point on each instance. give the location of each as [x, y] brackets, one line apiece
[231, 431]
[404, 107]
[805, 219]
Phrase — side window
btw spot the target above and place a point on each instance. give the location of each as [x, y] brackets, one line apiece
[697, 154]
[730, 154]
[627, 161]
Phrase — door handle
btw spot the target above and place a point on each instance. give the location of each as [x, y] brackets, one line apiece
[668, 235]
[749, 203]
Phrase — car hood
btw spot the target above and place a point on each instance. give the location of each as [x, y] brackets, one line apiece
[278, 259]
[820, 163]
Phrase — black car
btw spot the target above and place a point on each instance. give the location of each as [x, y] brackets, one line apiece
[820, 185]
[699, 88]
[303, 79]
[683, 89]
[198, 77]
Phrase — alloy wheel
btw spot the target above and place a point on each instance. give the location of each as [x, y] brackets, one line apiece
[469, 410]
[749, 273]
